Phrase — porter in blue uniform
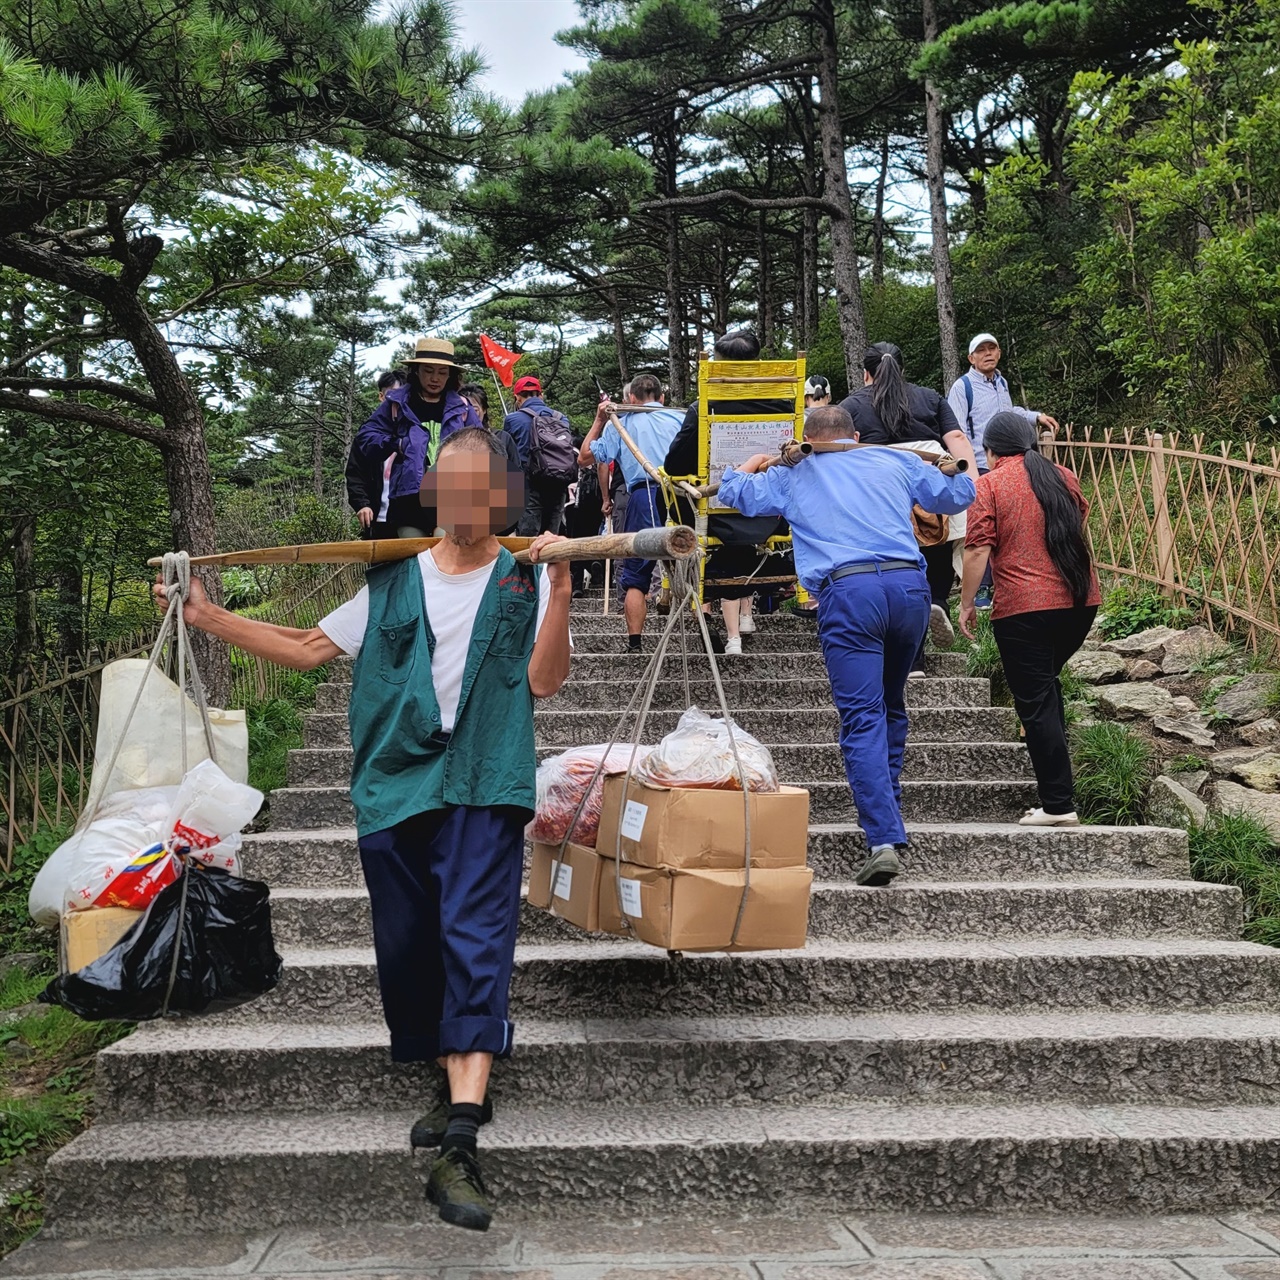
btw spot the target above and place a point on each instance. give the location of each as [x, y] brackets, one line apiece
[850, 516]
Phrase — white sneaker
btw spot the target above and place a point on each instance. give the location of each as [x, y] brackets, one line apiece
[941, 632]
[915, 675]
[747, 624]
[1038, 818]
[733, 647]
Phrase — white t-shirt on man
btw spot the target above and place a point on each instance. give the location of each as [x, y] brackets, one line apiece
[453, 600]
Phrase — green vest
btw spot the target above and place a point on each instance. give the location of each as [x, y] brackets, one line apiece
[403, 763]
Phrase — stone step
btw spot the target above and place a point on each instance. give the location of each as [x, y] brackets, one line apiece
[561, 729]
[202, 1067]
[938, 851]
[764, 690]
[299, 808]
[339, 917]
[577, 980]
[256, 1172]
[927, 761]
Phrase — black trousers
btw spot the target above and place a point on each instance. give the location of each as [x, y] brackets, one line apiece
[543, 507]
[941, 574]
[583, 520]
[1034, 647]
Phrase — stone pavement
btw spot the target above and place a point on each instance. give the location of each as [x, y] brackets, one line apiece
[1243, 1246]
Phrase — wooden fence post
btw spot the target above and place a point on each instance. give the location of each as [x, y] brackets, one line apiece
[1160, 509]
[1046, 443]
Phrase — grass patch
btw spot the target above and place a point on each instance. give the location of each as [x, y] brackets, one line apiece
[275, 728]
[1113, 769]
[1126, 611]
[1186, 764]
[1233, 849]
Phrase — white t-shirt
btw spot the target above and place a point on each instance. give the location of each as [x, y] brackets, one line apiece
[453, 600]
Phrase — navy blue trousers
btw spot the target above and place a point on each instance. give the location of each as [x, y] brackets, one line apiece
[870, 626]
[445, 891]
[644, 511]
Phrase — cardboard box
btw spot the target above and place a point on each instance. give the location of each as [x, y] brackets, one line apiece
[576, 897]
[685, 909]
[695, 827]
[87, 935]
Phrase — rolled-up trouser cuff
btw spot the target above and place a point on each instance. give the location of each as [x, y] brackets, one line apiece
[476, 1035]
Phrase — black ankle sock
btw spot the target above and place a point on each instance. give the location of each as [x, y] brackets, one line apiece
[633, 644]
[464, 1124]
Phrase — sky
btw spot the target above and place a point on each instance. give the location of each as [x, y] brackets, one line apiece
[516, 38]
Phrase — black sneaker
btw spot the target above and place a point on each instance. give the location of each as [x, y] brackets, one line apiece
[456, 1188]
[429, 1130]
[879, 869]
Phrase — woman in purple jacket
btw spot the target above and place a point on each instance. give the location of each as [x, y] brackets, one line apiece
[411, 422]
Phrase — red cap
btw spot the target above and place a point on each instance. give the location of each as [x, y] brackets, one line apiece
[525, 385]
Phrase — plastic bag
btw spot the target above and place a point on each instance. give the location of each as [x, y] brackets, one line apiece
[151, 752]
[226, 955]
[209, 807]
[696, 753]
[562, 780]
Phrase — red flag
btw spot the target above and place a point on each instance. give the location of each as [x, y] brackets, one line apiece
[499, 359]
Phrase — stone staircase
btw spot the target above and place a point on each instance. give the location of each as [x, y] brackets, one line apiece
[1030, 1020]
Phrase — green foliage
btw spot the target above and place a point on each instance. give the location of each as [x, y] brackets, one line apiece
[1235, 849]
[1113, 767]
[275, 728]
[17, 932]
[1186, 764]
[1127, 610]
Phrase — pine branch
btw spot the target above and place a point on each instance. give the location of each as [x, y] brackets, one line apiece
[66, 411]
[739, 198]
[104, 386]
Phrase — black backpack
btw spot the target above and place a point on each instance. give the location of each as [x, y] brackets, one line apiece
[552, 455]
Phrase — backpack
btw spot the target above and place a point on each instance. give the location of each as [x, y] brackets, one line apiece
[552, 455]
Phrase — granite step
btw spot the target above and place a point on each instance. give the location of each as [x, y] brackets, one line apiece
[937, 851]
[339, 917]
[167, 1071]
[299, 808]
[926, 761]
[766, 689]
[577, 980]
[342, 1168]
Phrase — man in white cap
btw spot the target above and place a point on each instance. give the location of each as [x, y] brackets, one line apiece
[975, 398]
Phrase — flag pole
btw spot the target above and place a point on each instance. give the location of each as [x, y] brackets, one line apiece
[498, 384]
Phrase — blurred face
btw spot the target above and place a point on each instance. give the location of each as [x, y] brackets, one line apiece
[986, 359]
[473, 493]
[432, 379]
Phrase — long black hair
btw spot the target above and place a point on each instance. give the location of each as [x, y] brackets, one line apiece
[479, 398]
[883, 362]
[1009, 434]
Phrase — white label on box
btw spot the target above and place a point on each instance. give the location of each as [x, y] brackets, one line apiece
[633, 817]
[564, 881]
[631, 898]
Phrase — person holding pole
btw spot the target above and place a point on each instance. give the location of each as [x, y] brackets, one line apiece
[856, 550]
[653, 431]
[452, 646]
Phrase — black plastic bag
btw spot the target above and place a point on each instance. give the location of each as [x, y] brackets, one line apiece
[227, 954]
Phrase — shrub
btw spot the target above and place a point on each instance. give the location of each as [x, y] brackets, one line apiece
[1113, 769]
[1233, 849]
[1126, 611]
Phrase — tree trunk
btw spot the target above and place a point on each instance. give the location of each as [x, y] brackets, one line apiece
[762, 280]
[877, 225]
[619, 336]
[70, 564]
[844, 250]
[812, 270]
[317, 439]
[935, 128]
[25, 631]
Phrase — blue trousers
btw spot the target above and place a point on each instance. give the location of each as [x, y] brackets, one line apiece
[444, 886]
[870, 626]
[644, 511]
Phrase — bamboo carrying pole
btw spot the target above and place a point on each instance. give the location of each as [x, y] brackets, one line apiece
[675, 542]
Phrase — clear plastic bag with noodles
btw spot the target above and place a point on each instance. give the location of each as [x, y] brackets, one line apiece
[697, 753]
[562, 781]
[225, 954]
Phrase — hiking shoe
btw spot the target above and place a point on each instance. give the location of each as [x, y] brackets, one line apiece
[941, 632]
[429, 1130]
[1038, 818]
[983, 598]
[879, 868]
[456, 1188]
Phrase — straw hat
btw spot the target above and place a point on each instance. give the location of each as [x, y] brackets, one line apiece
[434, 351]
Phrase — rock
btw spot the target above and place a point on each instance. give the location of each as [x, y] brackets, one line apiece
[1225, 763]
[1230, 797]
[1148, 644]
[1170, 804]
[1142, 670]
[1261, 733]
[28, 962]
[1262, 773]
[1191, 728]
[1193, 780]
[1094, 666]
[1091, 644]
[1191, 647]
[1129, 700]
[1247, 700]
[1186, 705]
[33, 1009]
